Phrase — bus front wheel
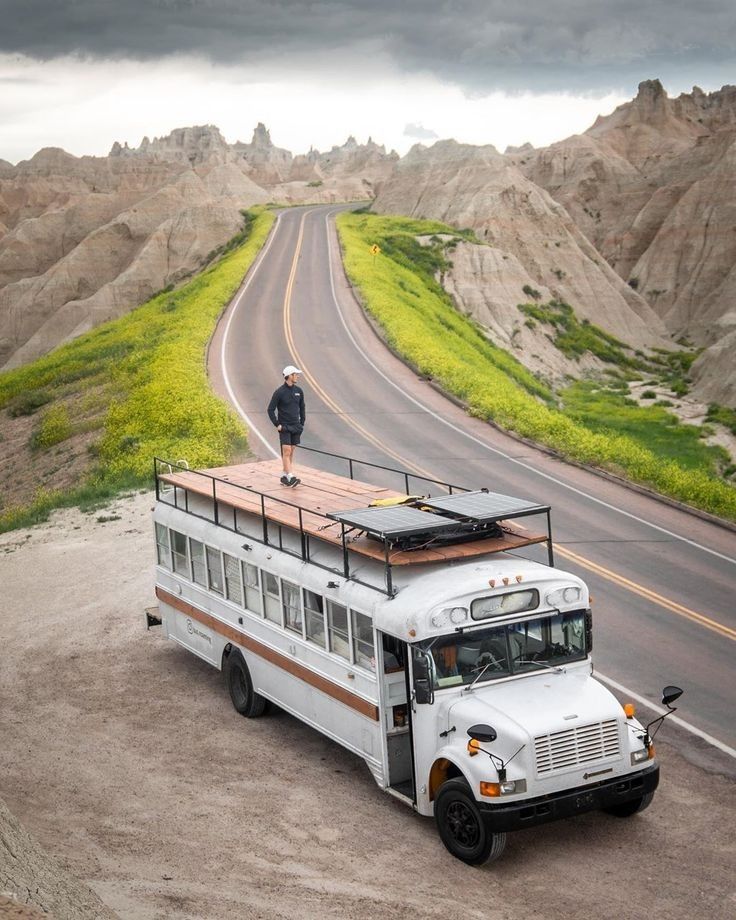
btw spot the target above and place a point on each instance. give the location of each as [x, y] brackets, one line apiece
[237, 676]
[461, 826]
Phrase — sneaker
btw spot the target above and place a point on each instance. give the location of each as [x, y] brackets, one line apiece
[293, 482]
[284, 480]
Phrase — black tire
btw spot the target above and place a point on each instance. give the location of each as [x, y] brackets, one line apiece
[461, 826]
[237, 677]
[627, 809]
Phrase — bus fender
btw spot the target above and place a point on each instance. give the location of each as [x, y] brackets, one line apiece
[444, 767]
[226, 654]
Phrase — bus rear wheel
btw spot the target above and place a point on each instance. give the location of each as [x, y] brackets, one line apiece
[461, 826]
[237, 676]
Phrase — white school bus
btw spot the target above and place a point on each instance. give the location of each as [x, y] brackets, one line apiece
[403, 628]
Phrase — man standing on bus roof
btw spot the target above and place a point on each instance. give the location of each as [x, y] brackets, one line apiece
[287, 413]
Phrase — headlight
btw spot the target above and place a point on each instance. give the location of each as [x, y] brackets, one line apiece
[639, 756]
[514, 785]
[508, 787]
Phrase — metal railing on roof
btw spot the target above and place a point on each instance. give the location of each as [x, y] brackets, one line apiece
[268, 524]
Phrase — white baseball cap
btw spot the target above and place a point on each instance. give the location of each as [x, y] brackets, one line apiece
[290, 369]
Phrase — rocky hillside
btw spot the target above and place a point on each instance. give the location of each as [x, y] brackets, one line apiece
[85, 239]
[532, 245]
[34, 884]
[631, 223]
[653, 187]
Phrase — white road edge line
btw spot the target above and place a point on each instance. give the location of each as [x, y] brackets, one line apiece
[612, 683]
[495, 450]
[661, 711]
[226, 333]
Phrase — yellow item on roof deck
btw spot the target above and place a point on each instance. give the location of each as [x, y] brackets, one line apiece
[396, 500]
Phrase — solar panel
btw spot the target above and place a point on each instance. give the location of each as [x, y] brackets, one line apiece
[483, 506]
[393, 522]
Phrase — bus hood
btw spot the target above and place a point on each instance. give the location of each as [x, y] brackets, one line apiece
[536, 705]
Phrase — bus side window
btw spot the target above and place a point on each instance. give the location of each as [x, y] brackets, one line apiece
[363, 650]
[199, 571]
[272, 597]
[314, 614]
[180, 553]
[252, 588]
[233, 582]
[337, 627]
[292, 606]
[162, 546]
[214, 569]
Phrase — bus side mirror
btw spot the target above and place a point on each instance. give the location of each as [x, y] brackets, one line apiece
[670, 694]
[485, 734]
[423, 692]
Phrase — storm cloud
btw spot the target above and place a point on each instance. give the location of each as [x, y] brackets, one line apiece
[481, 45]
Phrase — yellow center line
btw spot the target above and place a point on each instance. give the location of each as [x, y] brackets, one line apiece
[647, 593]
[620, 580]
[312, 381]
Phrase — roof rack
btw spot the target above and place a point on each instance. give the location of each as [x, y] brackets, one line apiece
[425, 530]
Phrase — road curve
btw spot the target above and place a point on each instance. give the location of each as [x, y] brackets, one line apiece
[662, 580]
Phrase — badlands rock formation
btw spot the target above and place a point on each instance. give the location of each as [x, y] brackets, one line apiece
[653, 186]
[531, 238]
[83, 240]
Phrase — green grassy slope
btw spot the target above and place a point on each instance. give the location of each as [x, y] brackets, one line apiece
[140, 382]
[399, 290]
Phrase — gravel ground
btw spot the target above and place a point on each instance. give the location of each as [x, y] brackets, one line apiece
[122, 755]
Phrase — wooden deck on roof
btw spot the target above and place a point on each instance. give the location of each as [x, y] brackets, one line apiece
[319, 494]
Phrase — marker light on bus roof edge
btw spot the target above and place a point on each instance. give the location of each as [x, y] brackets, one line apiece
[458, 615]
[567, 594]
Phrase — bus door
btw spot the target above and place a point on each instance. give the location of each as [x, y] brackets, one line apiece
[396, 715]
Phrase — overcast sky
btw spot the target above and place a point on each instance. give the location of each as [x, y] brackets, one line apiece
[82, 73]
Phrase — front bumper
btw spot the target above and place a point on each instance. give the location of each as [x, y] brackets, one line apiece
[517, 815]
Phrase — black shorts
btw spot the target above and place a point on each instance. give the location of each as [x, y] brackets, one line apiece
[290, 437]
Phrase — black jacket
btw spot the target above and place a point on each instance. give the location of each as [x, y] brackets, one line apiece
[287, 407]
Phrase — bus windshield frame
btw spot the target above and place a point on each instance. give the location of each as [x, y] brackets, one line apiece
[497, 651]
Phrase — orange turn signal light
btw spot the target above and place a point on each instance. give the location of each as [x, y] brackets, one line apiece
[473, 747]
[651, 751]
[629, 710]
[490, 789]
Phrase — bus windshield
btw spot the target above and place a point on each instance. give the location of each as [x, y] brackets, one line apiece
[501, 651]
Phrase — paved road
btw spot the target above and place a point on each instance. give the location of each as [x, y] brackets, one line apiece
[663, 581]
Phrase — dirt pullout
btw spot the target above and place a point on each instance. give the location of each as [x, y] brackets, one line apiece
[122, 754]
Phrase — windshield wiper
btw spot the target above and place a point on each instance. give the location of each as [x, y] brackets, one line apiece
[480, 674]
[493, 661]
[542, 664]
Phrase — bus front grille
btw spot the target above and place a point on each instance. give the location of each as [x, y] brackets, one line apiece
[584, 744]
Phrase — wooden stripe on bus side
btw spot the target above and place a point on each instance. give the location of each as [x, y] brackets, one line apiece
[364, 707]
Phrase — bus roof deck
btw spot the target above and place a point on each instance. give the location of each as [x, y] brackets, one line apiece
[340, 511]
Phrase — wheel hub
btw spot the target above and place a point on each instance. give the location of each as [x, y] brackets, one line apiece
[463, 824]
